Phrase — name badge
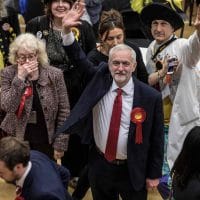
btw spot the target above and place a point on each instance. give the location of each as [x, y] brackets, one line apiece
[33, 117]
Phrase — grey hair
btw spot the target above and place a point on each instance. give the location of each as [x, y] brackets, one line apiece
[122, 47]
[30, 42]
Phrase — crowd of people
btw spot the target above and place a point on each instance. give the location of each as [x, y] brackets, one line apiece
[74, 88]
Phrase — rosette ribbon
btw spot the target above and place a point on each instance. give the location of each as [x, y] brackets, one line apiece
[27, 93]
[138, 115]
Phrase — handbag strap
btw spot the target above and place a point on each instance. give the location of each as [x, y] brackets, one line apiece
[163, 46]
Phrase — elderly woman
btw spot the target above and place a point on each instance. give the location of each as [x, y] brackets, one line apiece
[48, 28]
[34, 97]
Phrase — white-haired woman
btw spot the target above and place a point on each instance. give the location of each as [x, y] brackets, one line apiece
[48, 28]
[34, 97]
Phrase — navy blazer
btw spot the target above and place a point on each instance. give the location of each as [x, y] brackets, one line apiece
[144, 160]
[46, 180]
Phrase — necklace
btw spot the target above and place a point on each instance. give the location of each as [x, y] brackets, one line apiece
[57, 27]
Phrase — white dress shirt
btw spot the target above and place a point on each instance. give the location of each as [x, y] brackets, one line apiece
[103, 110]
[20, 182]
[102, 115]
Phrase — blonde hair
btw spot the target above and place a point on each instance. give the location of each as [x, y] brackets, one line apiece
[29, 42]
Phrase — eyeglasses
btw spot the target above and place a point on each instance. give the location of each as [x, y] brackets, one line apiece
[25, 57]
[118, 63]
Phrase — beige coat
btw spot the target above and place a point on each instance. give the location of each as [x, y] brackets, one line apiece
[53, 97]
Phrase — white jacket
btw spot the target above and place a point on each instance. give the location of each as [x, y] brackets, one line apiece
[185, 112]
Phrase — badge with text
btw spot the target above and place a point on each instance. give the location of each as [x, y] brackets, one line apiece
[138, 115]
[39, 35]
[45, 32]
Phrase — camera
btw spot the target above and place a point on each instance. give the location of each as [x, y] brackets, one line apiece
[172, 63]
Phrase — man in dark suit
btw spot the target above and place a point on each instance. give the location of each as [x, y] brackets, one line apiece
[33, 172]
[129, 162]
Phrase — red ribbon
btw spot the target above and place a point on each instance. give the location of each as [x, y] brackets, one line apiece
[138, 115]
[27, 93]
[168, 78]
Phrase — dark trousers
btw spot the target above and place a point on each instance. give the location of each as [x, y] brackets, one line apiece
[82, 184]
[108, 181]
[76, 156]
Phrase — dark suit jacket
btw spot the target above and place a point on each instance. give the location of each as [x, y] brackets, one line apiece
[144, 160]
[190, 192]
[46, 180]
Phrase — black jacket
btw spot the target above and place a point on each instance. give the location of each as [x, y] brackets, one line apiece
[40, 26]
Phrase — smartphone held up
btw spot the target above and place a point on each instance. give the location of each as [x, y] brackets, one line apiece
[172, 64]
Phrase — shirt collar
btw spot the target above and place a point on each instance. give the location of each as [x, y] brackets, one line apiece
[20, 182]
[127, 89]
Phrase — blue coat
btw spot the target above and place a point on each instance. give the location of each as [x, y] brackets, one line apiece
[46, 180]
[144, 160]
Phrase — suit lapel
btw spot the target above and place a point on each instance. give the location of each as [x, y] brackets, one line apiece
[95, 90]
[106, 84]
[137, 97]
[27, 185]
[136, 103]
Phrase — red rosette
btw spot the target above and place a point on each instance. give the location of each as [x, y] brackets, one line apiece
[27, 93]
[138, 115]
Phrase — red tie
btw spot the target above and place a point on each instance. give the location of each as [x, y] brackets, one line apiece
[27, 93]
[18, 193]
[111, 146]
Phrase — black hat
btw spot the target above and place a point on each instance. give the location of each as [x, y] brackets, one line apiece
[159, 11]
